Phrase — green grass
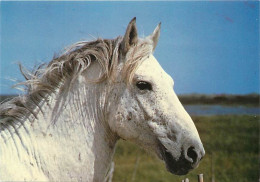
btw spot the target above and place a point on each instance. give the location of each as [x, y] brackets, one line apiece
[231, 144]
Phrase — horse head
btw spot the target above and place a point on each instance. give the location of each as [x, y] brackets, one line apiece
[146, 110]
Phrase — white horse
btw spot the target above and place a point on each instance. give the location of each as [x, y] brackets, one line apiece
[77, 107]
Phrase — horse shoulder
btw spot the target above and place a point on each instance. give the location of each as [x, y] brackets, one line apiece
[15, 162]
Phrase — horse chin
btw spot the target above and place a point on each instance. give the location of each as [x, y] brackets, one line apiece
[175, 166]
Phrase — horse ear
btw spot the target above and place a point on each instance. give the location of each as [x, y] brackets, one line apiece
[130, 37]
[155, 35]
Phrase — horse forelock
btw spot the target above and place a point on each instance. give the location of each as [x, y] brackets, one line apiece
[64, 69]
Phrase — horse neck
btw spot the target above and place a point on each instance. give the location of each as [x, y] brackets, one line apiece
[74, 128]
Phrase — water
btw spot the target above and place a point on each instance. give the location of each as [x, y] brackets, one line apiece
[221, 110]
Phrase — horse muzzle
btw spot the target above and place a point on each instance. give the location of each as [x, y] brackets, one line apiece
[188, 160]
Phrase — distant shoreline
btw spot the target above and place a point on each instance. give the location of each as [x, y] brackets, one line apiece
[220, 99]
[196, 99]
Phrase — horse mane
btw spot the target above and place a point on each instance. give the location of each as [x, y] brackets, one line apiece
[49, 78]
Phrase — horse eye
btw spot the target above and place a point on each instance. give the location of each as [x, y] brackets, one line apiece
[142, 85]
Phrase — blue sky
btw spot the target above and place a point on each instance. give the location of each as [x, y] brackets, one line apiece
[207, 47]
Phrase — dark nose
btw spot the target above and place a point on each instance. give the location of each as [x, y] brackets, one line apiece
[194, 154]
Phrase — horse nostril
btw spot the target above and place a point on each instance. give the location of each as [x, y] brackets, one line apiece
[192, 154]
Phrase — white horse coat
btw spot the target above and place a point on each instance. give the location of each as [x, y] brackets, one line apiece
[76, 109]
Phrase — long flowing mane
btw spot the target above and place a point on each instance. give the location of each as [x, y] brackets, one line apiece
[63, 70]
